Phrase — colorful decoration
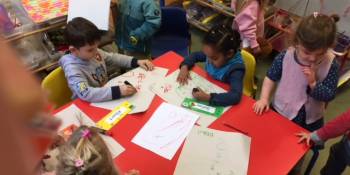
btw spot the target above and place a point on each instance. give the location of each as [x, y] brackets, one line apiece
[44, 10]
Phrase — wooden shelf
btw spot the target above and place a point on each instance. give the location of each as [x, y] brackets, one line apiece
[36, 31]
[216, 7]
[54, 65]
[49, 66]
[198, 25]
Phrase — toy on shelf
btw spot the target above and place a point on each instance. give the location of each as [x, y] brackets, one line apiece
[6, 25]
[45, 10]
[13, 20]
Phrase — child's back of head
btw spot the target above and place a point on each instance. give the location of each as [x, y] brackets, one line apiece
[80, 32]
[317, 31]
[223, 38]
[85, 153]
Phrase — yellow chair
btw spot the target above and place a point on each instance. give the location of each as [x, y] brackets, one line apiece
[57, 88]
[249, 86]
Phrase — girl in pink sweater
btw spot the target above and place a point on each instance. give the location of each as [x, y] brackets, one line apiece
[249, 21]
[339, 156]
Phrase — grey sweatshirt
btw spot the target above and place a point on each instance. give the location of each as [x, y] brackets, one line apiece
[87, 77]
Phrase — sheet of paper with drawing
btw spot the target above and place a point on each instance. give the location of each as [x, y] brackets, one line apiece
[209, 151]
[165, 131]
[142, 81]
[72, 115]
[170, 91]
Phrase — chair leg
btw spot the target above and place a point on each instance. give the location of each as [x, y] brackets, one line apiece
[312, 161]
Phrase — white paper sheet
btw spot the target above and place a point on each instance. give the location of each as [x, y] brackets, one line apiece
[170, 91]
[166, 130]
[96, 11]
[73, 115]
[142, 80]
[209, 151]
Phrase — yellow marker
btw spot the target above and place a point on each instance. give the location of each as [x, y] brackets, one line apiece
[114, 116]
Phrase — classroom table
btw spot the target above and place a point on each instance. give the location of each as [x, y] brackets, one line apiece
[274, 147]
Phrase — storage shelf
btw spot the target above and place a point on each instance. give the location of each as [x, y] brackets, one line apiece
[36, 31]
[198, 25]
[216, 7]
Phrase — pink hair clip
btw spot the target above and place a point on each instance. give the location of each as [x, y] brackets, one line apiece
[86, 133]
[79, 163]
[316, 14]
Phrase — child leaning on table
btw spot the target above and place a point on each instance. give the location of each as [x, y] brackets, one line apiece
[306, 74]
[223, 62]
[87, 68]
[339, 155]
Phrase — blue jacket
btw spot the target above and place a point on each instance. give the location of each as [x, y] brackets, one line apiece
[138, 18]
[232, 73]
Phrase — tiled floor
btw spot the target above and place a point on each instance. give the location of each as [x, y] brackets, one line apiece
[339, 105]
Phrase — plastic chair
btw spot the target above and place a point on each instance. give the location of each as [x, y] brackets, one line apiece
[173, 34]
[249, 86]
[56, 85]
[162, 3]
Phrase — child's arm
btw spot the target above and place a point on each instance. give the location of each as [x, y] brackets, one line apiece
[78, 83]
[332, 129]
[273, 75]
[152, 21]
[193, 59]
[335, 128]
[117, 60]
[187, 64]
[233, 96]
[247, 23]
[326, 90]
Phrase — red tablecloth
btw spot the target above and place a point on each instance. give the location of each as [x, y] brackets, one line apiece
[274, 148]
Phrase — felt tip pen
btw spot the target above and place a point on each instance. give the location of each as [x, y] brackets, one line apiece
[128, 83]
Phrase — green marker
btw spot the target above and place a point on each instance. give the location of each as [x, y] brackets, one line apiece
[203, 107]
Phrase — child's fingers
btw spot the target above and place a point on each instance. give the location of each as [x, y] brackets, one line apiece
[151, 66]
[131, 90]
[189, 76]
[301, 139]
[299, 134]
[267, 108]
[308, 141]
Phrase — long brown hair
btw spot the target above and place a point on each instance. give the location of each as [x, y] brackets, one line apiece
[87, 146]
[317, 31]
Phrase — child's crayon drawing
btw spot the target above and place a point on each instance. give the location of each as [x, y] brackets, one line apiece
[142, 81]
[166, 130]
[172, 92]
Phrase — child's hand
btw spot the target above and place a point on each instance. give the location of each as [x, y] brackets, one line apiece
[127, 90]
[304, 137]
[200, 95]
[145, 64]
[133, 172]
[261, 106]
[133, 40]
[184, 75]
[310, 74]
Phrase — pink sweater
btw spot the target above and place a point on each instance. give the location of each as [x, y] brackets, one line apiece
[336, 127]
[249, 22]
